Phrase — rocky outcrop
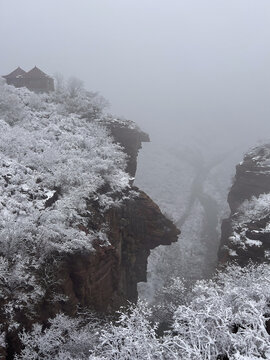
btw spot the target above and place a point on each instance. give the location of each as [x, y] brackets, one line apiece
[104, 279]
[131, 138]
[252, 177]
[246, 233]
[107, 278]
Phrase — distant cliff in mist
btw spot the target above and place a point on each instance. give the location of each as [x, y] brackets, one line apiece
[246, 233]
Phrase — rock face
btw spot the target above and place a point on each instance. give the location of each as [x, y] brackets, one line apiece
[107, 278]
[131, 140]
[246, 233]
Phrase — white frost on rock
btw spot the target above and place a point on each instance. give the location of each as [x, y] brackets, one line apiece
[250, 242]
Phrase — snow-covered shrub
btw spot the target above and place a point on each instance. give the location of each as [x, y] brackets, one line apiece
[254, 209]
[167, 300]
[52, 164]
[260, 156]
[226, 316]
[250, 220]
[223, 318]
[17, 282]
[11, 106]
[65, 339]
[131, 337]
[72, 97]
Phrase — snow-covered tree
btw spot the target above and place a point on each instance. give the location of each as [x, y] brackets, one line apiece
[131, 337]
[226, 317]
[64, 339]
[222, 318]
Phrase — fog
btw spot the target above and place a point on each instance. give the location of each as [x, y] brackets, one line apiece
[194, 74]
[194, 69]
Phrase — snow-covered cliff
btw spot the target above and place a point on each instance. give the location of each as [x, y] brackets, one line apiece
[74, 232]
[246, 233]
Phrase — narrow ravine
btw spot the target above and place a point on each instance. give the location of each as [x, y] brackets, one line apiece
[209, 234]
[192, 183]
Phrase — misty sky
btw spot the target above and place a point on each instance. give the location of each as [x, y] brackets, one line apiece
[181, 67]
